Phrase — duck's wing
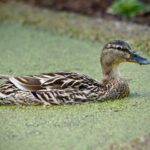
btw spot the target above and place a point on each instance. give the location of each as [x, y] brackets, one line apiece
[58, 80]
[26, 83]
[63, 80]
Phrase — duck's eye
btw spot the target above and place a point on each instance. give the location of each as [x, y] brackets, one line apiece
[119, 48]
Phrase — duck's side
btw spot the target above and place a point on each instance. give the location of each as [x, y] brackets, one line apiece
[57, 88]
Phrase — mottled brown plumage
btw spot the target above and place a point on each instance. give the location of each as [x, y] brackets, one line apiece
[69, 87]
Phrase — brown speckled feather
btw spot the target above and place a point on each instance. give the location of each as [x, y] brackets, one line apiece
[53, 88]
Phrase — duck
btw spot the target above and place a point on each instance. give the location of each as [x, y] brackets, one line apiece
[57, 88]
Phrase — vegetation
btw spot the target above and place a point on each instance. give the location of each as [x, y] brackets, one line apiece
[76, 26]
[128, 8]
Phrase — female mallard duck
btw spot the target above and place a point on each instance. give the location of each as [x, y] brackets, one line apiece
[68, 87]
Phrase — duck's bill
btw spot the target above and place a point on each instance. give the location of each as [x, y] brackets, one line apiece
[138, 59]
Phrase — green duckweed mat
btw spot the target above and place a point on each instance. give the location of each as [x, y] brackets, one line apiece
[28, 50]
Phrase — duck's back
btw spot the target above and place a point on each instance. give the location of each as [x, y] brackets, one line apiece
[60, 87]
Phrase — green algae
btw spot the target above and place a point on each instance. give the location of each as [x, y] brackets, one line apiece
[29, 50]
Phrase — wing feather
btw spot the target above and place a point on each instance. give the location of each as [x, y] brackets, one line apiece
[59, 80]
[26, 85]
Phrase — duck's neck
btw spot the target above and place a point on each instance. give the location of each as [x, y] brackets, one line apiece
[110, 71]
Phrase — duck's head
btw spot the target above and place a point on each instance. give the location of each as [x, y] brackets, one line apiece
[116, 52]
